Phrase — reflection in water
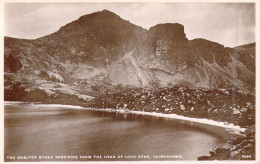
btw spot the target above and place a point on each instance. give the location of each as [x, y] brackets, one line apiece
[63, 131]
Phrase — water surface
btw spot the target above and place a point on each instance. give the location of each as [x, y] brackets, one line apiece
[32, 130]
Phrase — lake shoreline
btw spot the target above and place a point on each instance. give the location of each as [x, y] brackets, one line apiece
[236, 130]
[202, 123]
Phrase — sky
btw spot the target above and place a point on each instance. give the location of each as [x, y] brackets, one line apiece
[230, 24]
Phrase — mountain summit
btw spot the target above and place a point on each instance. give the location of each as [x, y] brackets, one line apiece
[169, 31]
[92, 37]
[102, 49]
[103, 21]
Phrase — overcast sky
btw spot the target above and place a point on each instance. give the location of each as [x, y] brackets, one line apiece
[230, 24]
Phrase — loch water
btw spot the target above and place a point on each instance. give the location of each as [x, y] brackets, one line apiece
[56, 133]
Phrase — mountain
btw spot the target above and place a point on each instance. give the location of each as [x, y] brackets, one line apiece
[101, 53]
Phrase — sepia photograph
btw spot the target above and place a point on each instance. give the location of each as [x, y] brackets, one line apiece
[129, 81]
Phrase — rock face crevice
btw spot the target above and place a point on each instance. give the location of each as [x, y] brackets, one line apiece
[102, 48]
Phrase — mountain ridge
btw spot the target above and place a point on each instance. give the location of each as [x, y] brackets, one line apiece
[114, 14]
[102, 49]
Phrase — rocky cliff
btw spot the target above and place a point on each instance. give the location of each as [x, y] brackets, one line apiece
[101, 50]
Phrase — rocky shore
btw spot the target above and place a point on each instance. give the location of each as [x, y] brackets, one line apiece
[239, 146]
[221, 105]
